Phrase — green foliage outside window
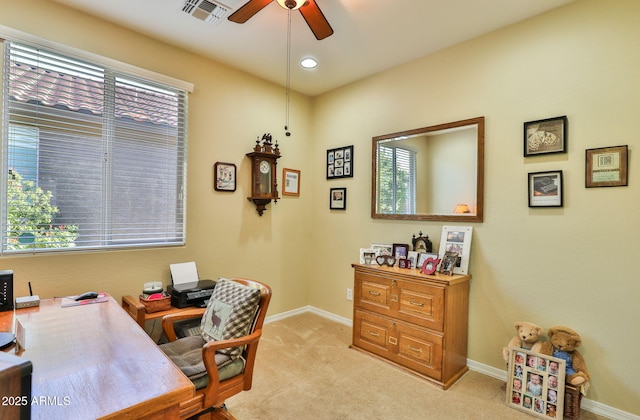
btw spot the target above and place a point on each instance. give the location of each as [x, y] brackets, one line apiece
[395, 193]
[30, 215]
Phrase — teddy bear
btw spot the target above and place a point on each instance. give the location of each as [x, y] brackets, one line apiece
[562, 344]
[528, 336]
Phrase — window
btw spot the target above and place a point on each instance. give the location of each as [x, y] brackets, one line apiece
[397, 180]
[95, 157]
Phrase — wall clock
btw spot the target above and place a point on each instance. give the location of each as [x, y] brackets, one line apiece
[264, 183]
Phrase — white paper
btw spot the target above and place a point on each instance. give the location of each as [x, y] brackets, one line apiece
[184, 272]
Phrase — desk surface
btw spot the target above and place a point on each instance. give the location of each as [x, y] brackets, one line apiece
[93, 361]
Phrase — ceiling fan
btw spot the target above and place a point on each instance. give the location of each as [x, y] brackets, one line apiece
[308, 9]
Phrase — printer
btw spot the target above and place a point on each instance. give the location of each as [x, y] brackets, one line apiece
[187, 288]
[191, 294]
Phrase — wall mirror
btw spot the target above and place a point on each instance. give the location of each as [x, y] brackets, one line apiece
[430, 173]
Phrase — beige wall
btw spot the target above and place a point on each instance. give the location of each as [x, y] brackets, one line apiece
[571, 266]
[227, 111]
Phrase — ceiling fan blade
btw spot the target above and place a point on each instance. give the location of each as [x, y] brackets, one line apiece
[316, 20]
[247, 11]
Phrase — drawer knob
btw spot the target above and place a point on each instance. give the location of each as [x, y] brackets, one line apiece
[373, 334]
[374, 293]
[415, 349]
[414, 303]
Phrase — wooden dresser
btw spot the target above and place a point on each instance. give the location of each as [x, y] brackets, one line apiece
[418, 322]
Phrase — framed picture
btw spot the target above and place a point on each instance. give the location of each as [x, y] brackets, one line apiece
[456, 239]
[290, 182]
[382, 248]
[400, 250]
[449, 262]
[545, 189]
[224, 176]
[545, 136]
[413, 258]
[606, 167]
[424, 256]
[535, 383]
[340, 162]
[367, 256]
[338, 199]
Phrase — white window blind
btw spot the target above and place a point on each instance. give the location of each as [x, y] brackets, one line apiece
[397, 180]
[93, 158]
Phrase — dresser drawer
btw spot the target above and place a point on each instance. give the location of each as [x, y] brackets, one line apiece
[373, 293]
[420, 350]
[372, 333]
[421, 304]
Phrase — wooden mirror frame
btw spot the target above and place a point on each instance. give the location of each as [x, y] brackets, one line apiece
[477, 217]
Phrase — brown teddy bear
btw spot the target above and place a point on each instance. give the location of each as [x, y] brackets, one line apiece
[528, 336]
[562, 344]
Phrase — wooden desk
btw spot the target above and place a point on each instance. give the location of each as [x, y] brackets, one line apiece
[92, 361]
[139, 313]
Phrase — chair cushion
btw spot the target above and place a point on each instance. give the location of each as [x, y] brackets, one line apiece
[186, 353]
[230, 313]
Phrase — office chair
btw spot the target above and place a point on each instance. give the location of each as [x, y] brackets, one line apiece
[218, 369]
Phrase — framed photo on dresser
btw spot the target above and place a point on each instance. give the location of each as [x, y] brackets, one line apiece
[456, 239]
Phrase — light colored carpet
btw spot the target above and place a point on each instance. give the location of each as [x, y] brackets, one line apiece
[306, 370]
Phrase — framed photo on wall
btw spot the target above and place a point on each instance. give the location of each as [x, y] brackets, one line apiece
[290, 182]
[606, 167]
[545, 189]
[456, 239]
[340, 162]
[545, 136]
[224, 176]
[338, 199]
[535, 383]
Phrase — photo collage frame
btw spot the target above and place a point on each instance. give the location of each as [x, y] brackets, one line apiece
[535, 383]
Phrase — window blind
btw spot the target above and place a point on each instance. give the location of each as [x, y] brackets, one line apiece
[397, 180]
[93, 157]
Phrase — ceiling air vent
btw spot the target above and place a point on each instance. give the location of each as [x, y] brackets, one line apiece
[206, 10]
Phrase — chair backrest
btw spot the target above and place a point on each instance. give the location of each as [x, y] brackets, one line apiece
[261, 313]
[215, 394]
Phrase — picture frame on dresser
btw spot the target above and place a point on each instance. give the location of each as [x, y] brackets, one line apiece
[367, 256]
[382, 248]
[449, 262]
[535, 383]
[400, 250]
[424, 256]
[457, 239]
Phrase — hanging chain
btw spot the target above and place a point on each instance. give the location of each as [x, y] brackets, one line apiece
[288, 81]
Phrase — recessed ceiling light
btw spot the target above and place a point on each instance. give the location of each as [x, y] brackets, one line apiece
[309, 63]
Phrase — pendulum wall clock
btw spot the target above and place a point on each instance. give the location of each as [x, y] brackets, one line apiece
[264, 183]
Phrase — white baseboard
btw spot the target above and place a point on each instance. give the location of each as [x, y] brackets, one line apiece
[587, 404]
